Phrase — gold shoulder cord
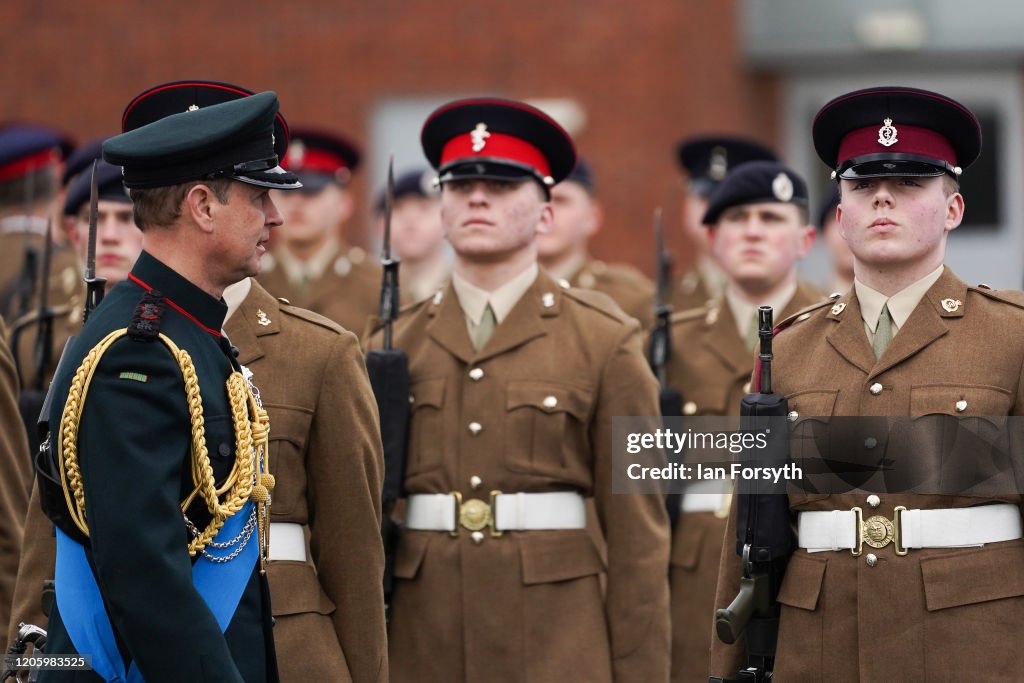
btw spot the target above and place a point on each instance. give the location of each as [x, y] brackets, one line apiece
[251, 431]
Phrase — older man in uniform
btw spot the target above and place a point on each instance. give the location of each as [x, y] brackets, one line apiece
[931, 587]
[161, 500]
[309, 263]
[562, 250]
[514, 382]
[705, 161]
[758, 231]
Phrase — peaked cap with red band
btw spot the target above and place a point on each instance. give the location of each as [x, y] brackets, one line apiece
[178, 96]
[28, 147]
[896, 131]
[319, 158]
[497, 139]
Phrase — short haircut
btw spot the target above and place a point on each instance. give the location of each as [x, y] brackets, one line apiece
[161, 206]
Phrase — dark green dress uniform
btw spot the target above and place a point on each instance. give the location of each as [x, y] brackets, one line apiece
[134, 453]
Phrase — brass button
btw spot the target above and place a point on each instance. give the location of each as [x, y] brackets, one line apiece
[792, 415]
[412, 399]
[689, 408]
[874, 501]
[875, 389]
[476, 374]
[475, 481]
[478, 537]
[550, 402]
[746, 388]
[475, 428]
[871, 559]
[961, 406]
[870, 442]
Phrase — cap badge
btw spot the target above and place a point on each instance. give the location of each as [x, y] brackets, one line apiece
[193, 107]
[719, 165]
[479, 136]
[261, 318]
[296, 152]
[782, 187]
[951, 305]
[887, 134]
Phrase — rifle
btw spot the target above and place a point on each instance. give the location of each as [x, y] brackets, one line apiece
[27, 635]
[670, 400]
[94, 286]
[389, 376]
[764, 538]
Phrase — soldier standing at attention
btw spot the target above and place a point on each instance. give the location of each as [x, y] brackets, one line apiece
[758, 231]
[309, 263]
[938, 592]
[705, 161]
[157, 481]
[514, 383]
[562, 250]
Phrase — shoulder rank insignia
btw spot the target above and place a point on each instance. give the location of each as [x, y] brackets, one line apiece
[261, 318]
[145, 322]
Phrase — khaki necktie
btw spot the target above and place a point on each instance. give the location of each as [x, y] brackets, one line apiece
[483, 331]
[883, 332]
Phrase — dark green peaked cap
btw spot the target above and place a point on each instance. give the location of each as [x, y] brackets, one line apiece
[230, 140]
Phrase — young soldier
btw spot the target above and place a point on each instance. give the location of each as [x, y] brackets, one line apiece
[758, 232]
[930, 586]
[562, 250]
[309, 263]
[514, 382]
[159, 433]
[705, 161]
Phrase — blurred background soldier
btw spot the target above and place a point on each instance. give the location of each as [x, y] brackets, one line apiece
[562, 250]
[15, 472]
[417, 237]
[309, 263]
[758, 231]
[705, 161]
[30, 167]
[838, 249]
[514, 382]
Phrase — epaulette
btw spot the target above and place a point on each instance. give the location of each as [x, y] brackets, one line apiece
[599, 301]
[311, 317]
[689, 314]
[145, 322]
[805, 313]
[1006, 296]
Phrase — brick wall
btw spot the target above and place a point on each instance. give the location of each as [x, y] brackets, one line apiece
[646, 72]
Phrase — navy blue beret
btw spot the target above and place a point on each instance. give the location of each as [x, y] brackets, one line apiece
[755, 182]
[109, 185]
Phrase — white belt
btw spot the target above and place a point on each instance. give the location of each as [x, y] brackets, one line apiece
[505, 512]
[705, 496]
[287, 541]
[943, 528]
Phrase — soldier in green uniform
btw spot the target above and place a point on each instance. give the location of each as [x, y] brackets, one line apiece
[758, 231]
[562, 250]
[161, 497]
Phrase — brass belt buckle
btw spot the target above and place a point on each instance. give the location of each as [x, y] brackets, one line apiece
[878, 531]
[474, 514]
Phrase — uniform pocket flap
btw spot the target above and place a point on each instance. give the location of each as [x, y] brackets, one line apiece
[802, 584]
[550, 556]
[429, 392]
[290, 423]
[974, 575]
[295, 589]
[961, 400]
[548, 397]
[410, 554]
[688, 541]
[815, 403]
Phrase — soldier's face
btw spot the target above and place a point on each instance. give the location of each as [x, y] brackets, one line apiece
[759, 245]
[118, 239]
[311, 219]
[242, 229]
[576, 218]
[416, 231]
[898, 222]
[493, 220]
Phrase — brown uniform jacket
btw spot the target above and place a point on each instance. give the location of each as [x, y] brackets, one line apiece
[348, 292]
[626, 285]
[65, 275]
[710, 365]
[691, 292]
[325, 453]
[15, 472]
[527, 606]
[934, 614]
[67, 321]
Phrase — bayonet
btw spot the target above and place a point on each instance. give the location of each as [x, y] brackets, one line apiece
[94, 286]
[389, 292]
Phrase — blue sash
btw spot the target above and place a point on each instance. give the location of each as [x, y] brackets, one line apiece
[220, 584]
